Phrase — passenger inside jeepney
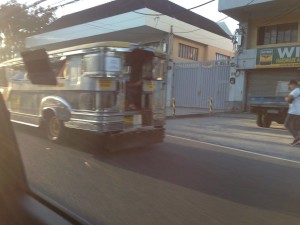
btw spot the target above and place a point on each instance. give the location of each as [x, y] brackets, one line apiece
[140, 62]
[134, 87]
[59, 68]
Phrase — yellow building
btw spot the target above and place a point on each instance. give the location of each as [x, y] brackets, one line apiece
[267, 47]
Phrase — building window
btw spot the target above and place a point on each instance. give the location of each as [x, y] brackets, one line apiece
[221, 57]
[281, 33]
[188, 52]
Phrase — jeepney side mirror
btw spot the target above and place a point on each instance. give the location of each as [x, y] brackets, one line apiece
[38, 67]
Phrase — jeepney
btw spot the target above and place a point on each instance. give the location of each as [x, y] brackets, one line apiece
[114, 88]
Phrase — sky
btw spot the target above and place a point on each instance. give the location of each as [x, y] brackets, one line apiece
[209, 11]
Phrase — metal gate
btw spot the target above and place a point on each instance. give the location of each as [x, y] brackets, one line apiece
[264, 82]
[195, 83]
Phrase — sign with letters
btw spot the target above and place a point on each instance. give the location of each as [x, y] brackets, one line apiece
[278, 57]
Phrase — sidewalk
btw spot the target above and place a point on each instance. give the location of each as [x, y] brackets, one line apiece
[185, 111]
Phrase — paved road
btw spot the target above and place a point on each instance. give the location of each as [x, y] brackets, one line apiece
[237, 131]
[174, 183]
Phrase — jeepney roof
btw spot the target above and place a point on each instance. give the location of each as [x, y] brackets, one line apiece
[15, 61]
[124, 46]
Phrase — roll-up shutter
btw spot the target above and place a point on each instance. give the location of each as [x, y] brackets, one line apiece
[264, 82]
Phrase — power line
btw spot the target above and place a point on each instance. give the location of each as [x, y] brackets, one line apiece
[62, 5]
[54, 3]
[105, 28]
[36, 3]
[217, 21]
[54, 7]
[243, 6]
[250, 2]
[222, 19]
[177, 12]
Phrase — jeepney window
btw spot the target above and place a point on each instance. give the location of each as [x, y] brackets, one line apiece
[59, 68]
[3, 80]
[159, 68]
[20, 75]
[148, 69]
[154, 69]
[74, 68]
[16, 73]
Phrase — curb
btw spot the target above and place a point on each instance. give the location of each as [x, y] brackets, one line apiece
[193, 115]
[219, 114]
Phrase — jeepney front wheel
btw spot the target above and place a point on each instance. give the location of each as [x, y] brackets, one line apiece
[56, 131]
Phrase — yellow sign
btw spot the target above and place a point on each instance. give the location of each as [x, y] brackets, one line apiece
[128, 120]
[276, 57]
[105, 84]
[150, 85]
[60, 84]
[15, 102]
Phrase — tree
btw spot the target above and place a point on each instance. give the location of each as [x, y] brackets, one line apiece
[18, 21]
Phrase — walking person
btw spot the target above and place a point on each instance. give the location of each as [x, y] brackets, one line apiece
[292, 120]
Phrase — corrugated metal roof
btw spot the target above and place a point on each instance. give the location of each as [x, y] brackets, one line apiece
[123, 6]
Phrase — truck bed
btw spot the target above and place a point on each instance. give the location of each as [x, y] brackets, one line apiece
[276, 101]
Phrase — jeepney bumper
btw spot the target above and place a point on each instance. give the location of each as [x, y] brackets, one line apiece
[95, 127]
[116, 123]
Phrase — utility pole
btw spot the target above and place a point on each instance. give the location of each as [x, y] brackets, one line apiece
[170, 43]
[170, 68]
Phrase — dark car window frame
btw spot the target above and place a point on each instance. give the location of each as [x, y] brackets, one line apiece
[20, 204]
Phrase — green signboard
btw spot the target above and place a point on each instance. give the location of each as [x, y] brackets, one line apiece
[284, 56]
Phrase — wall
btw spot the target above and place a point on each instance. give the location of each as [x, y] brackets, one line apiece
[255, 24]
[177, 40]
[236, 99]
[205, 53]
[211, 52]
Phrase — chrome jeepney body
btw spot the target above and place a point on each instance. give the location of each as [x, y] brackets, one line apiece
[93, 84]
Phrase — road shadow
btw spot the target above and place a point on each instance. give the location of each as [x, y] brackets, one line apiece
[75, 139]
[241, 180]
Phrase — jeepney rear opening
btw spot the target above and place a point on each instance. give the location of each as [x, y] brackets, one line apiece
[131, 83]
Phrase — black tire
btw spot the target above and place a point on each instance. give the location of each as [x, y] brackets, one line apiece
[259, 122]
[55, 129]
[266, 121]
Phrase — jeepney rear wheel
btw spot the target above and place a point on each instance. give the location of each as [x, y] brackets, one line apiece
[266, 121]
[56, 130]
[259, 121]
